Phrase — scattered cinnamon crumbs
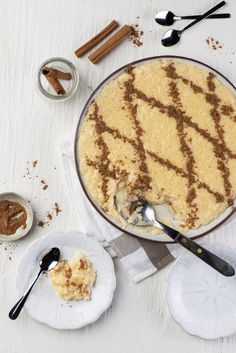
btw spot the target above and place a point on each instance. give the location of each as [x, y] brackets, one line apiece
[49, 216]
[45, 185]
[9, 248]
[27, 170]
[41, 224]
[57, 208]
[213, 43]
[30, 174]
[135, 36]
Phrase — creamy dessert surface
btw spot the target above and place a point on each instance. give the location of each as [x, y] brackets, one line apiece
[166, 131]
[74, 280]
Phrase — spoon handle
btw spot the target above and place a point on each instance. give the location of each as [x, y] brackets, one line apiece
[212, 260]
[15, 311]
[206, 14]
[218, 15]
[208, 257]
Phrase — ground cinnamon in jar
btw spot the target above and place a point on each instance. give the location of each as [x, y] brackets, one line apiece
[12, 217]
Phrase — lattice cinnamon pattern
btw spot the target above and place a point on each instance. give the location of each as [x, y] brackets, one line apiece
[173, 111]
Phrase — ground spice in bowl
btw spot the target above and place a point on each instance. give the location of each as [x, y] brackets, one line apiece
[12, 217]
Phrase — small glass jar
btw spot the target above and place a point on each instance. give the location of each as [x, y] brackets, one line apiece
[70, 86]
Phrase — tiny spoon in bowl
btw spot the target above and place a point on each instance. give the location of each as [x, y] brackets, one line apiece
[47, 262]
[172, 36]
[144, 215]
[167, 18]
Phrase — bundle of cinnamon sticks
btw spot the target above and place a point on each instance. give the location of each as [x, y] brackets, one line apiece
[53, 76]
[106, 47]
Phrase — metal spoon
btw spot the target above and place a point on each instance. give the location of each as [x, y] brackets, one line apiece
[47, 262]
[172, 36]
[144, 215]
[167, 18]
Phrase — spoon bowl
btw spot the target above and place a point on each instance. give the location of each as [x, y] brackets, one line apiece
[123, 206]
[47, 261]
[166, 18]
[171, 37]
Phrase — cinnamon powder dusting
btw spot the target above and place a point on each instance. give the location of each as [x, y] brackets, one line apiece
[210, 82]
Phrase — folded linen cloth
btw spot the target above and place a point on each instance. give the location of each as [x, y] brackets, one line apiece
[141, 258]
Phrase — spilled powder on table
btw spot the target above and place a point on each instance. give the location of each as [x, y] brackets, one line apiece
[213, 43]
[49, 216]
[45, 185]
[136, 35]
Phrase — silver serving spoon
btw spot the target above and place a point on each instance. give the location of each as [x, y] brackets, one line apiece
[167, 18]
[144, 215]
[47, 262]
[172, 36]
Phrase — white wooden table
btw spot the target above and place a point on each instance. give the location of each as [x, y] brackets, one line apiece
[32, 129]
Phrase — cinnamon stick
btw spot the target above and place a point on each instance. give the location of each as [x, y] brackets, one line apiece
[56, 85]
[110, 44]
[96, 39]
[51, 72]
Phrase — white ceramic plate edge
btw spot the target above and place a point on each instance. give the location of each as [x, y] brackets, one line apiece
[112, 289]
[174, 314]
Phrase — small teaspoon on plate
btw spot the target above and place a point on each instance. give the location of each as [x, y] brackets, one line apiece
[172, 36]
[167, 18]
[48, 260]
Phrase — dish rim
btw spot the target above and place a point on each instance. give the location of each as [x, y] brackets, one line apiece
[80, 121]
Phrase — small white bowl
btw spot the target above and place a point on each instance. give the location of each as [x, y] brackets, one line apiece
[11, 196]
[70, 86]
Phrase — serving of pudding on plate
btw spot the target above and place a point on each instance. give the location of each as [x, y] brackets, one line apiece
[163, 131]
[74, 280]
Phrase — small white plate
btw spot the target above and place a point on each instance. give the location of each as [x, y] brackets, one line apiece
[11, 196]
[202, 300]
[43, 303]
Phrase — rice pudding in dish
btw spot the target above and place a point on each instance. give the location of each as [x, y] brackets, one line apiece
[74, 281]
[163, 131]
